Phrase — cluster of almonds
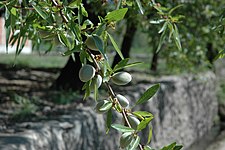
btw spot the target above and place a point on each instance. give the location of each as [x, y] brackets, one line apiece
[88, 72]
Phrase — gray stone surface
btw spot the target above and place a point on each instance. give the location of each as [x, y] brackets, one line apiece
[184, 110]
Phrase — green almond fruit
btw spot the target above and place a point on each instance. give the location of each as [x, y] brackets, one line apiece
[86, 73]
[125, 139]
[121, 78]
[97, 81]
[91, 43]
[103, 106]
[123, 100]
[134, 122]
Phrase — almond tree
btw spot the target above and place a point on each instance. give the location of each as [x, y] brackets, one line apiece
[87, 42]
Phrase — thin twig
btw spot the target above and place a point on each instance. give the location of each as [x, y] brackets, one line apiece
[55, 3]
[112, 93]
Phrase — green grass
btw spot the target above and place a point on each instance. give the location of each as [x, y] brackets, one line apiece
[33, 60]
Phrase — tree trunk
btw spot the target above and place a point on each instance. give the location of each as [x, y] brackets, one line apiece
[68, 78]
[154, 61]
[127, 42]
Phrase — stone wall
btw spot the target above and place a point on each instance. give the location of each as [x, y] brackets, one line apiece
[184, 109]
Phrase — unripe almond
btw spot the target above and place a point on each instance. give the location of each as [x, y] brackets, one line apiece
[125, 139]
[123, 100]
[86, 73]
[121, 78]
[91, 43]
[134, 122]
[103, 106]
[97, 81]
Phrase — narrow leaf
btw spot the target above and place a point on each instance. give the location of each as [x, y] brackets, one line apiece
[144, 123]
[122, 128]
[149, 135]
[40, 11]
[116, 15]
[133, 64]
[63, 39]
[109, 120]
[174, 8]
[161, 40]
[76, 48]
[163, 27]
[147, 148]
[121, 64]
[220, 55]
[100, 45]
[148, 94]
[140, 6]
[143, 113]
[178, 147]
[115, 46]
[134, 143]
[106, 106]
[176, 37]
[169, 147]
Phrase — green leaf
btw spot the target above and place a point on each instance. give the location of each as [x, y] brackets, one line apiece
[116, 15]
[115, 46]
[64, 40]
[144, 123]
[169, 147]
[40, 11]
[143, 114]
[86, 86]
[75, 30]
[134, 143]
[140, 6]
[133, 64]
[164, 27]
[174, 8]
[126, 139]
[149, 135]
[73, 4]
[100, 45]
[109, 120]
[220, 55]
[161, 40]
[8, 32]
[122, 128]
[22, 44]
[95, 92]
[77, 48]
[178, 147]
[147, 148]
[120, 64]
[106, 106]
[83, 11]
[148, 94]
[13, 11]
[123, 64]
[176, 37]
[101, 28]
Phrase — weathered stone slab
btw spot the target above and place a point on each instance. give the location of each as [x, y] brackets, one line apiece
[184, 110]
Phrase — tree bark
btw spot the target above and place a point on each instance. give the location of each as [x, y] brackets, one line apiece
[154, 61]
[68, 78]
[127, 42]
